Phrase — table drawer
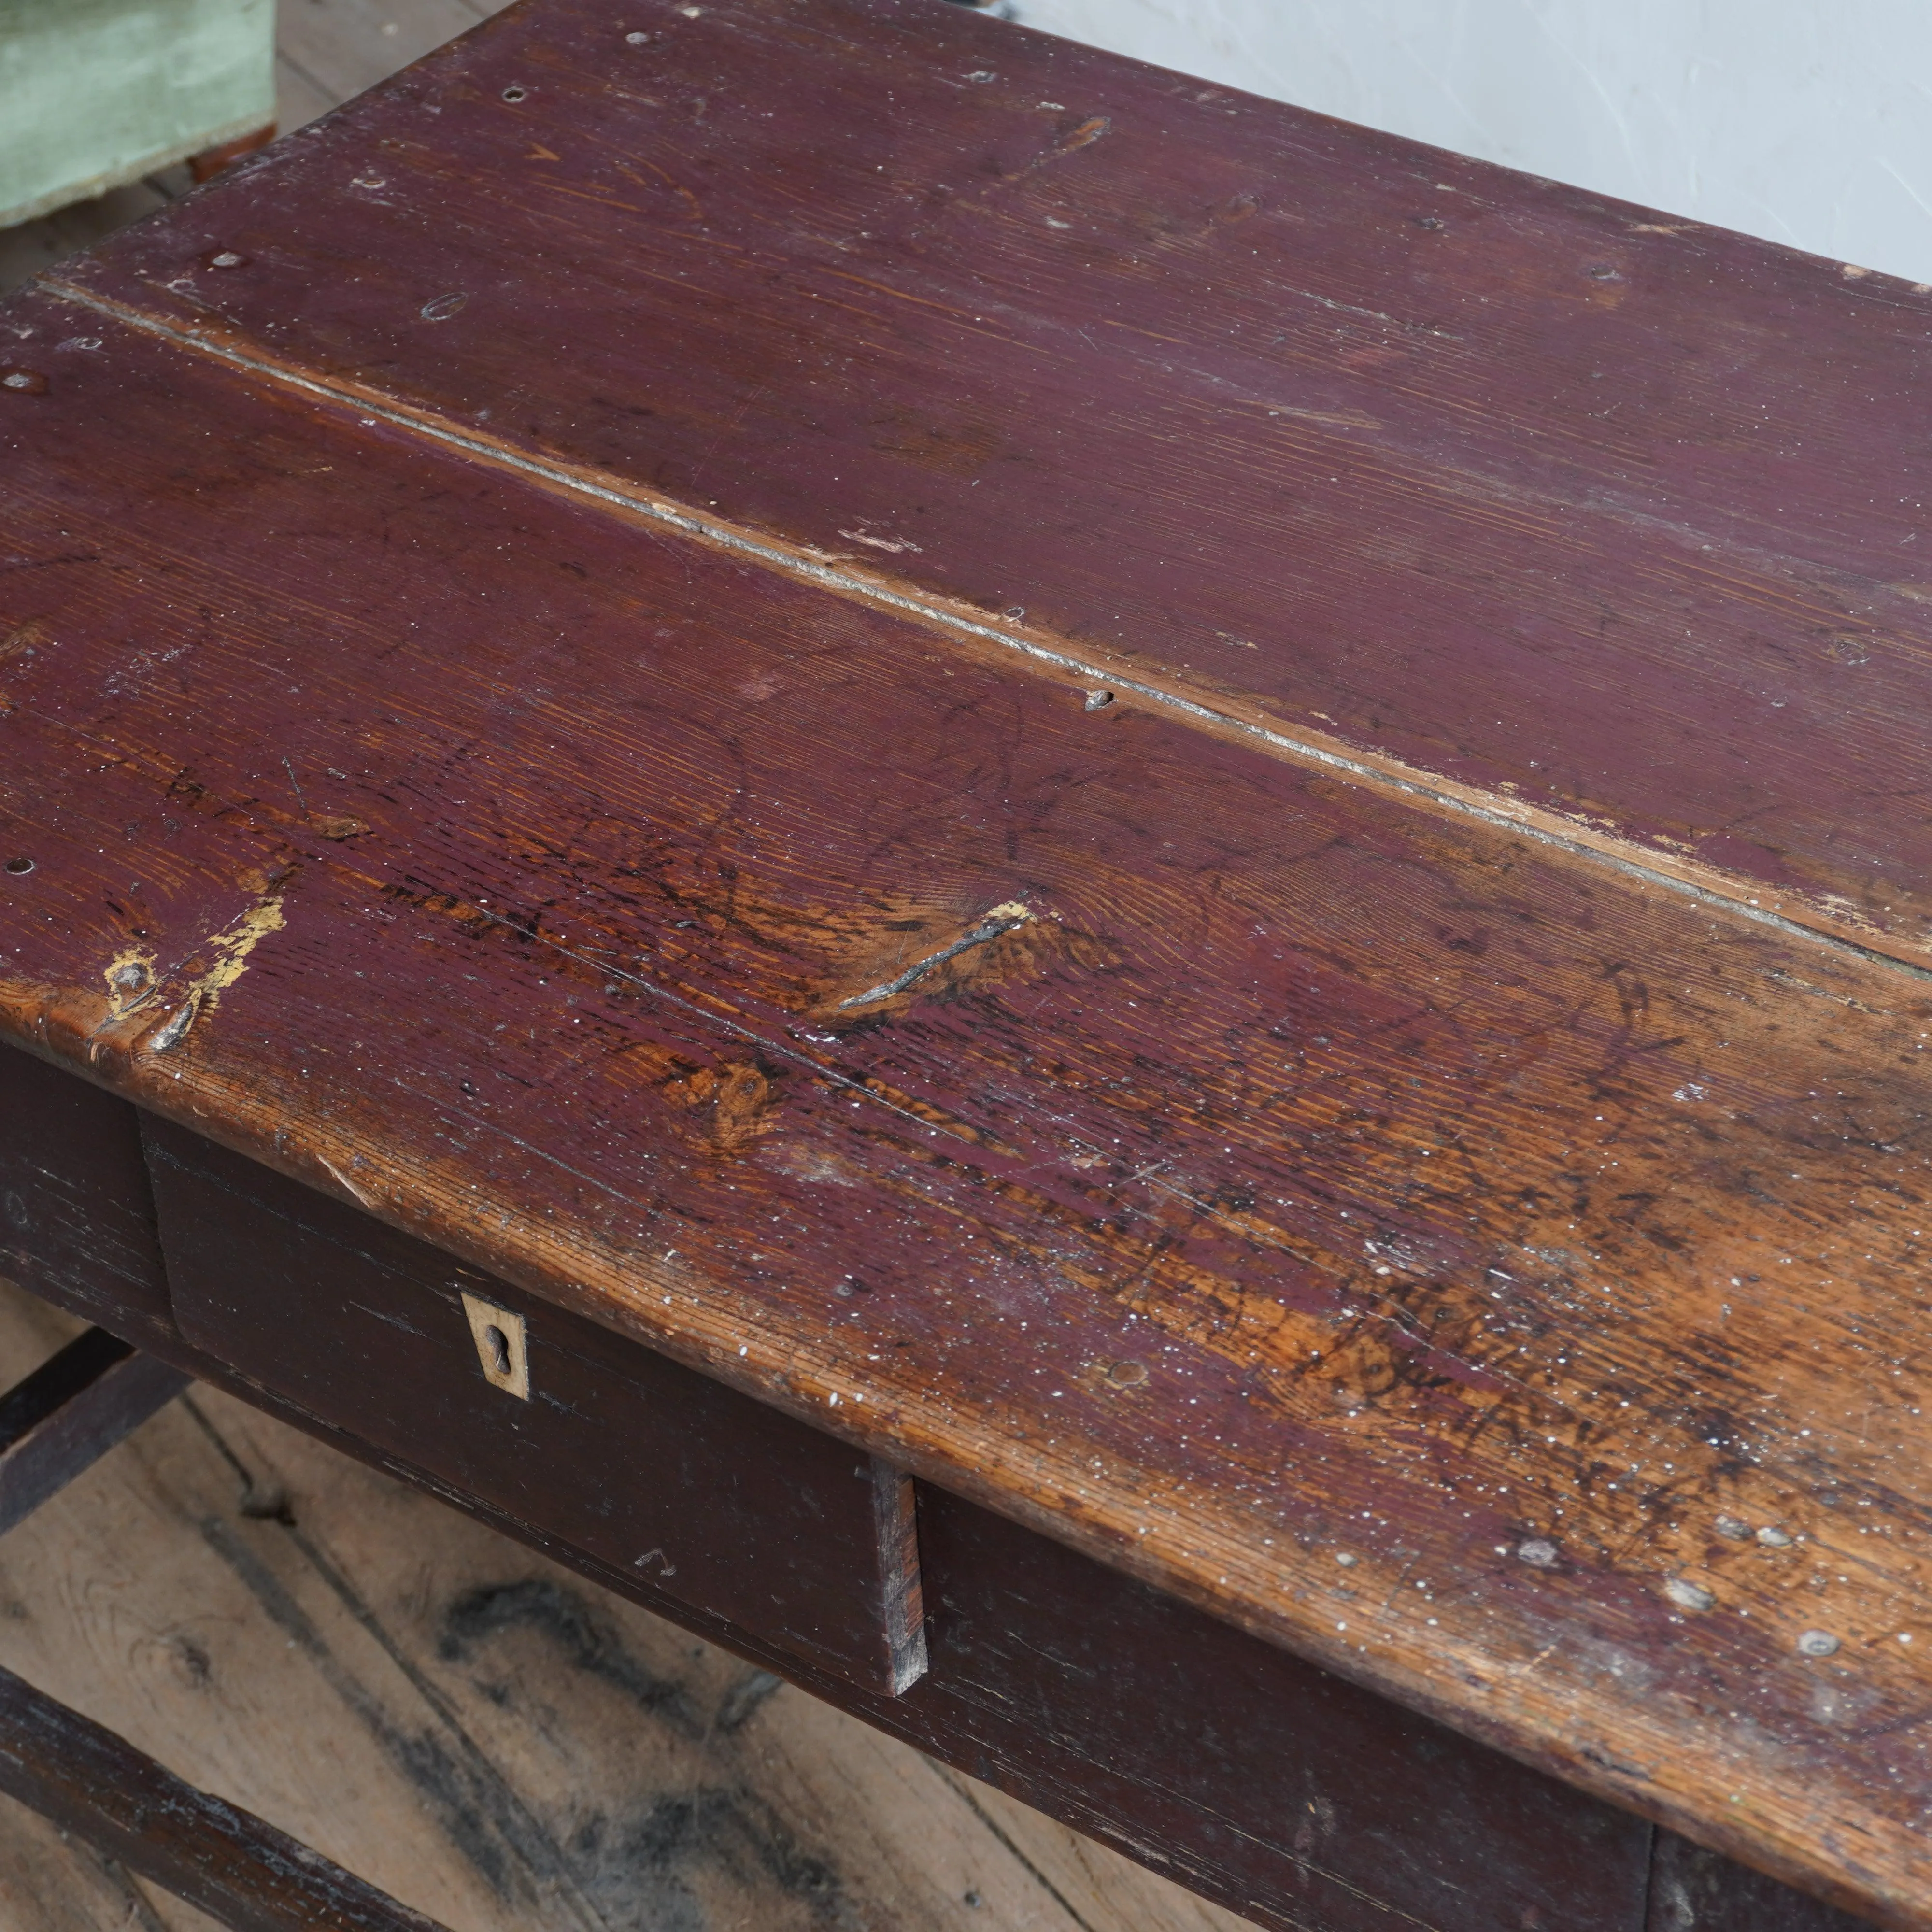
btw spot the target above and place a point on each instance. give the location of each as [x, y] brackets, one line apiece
[76, 1221]
[708, 1496]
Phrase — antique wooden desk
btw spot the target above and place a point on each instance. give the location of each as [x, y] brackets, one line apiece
[1101, 911]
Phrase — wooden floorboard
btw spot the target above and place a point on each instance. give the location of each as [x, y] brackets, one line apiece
[338, 48]
[488, 1738]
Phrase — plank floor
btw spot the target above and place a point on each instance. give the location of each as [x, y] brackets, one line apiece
[489, 1738]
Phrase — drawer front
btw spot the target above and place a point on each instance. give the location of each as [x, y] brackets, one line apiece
[76, 1220]
[1693, 1890]
[704, 1494]
[1297, 1798]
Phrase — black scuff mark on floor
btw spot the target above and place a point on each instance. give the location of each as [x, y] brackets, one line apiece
[644, 1863]
[565, 1620]
[652, 1865]
[475, 1807]
[746, 1699]
[478, 1813]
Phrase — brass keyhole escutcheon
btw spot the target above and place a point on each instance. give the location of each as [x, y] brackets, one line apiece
[503, 1349]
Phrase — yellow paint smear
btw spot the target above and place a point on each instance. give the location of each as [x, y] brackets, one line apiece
[235, 945]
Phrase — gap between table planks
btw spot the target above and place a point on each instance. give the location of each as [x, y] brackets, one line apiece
[493, 1740]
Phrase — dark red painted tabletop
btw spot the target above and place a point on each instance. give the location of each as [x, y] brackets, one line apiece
[1207, 823]
[1613, 519]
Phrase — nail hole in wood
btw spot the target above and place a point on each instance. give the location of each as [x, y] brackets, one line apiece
[516, 93]
[19, 864]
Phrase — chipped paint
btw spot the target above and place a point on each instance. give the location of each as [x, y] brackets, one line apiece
[231, 947]
[130, 980]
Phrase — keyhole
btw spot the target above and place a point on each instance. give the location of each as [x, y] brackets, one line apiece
[500, 1349]
[499, 1337]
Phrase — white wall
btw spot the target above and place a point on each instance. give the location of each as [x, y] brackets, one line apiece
[1809, 122]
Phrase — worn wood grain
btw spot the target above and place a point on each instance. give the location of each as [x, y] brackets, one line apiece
[477, 1729]
[1305, 1175]
[1575, 513]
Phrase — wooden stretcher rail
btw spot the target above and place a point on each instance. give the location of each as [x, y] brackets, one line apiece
[70, 1413]
[243, 1873]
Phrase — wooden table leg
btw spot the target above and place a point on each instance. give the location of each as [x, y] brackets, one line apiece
[209, 162]
[70, 1412]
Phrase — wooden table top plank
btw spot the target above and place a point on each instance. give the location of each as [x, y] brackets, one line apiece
[1425, 1246]
[1556, 506]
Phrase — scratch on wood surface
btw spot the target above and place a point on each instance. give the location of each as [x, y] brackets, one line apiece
[1002, 918]
[897, 546]
[342, 1181]
[1084, 136]
[1328, 419]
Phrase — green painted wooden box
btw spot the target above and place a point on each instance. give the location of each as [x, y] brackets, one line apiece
[94, 93]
